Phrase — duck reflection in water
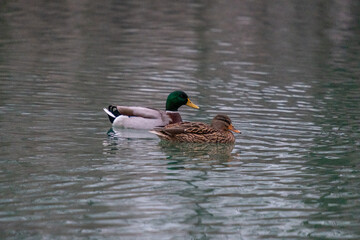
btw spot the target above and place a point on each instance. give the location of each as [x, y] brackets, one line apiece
[203, 151]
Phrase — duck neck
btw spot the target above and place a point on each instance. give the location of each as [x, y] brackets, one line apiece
[174, 116]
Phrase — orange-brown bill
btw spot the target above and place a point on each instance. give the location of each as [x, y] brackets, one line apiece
[231, 128]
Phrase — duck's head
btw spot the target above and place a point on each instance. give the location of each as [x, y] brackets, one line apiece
[177, 99]
[223, 122]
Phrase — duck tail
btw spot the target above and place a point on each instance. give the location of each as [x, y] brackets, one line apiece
[156, 133]
[161, 134]
[112, 112]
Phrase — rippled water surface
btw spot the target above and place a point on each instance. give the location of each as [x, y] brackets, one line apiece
[286, 72]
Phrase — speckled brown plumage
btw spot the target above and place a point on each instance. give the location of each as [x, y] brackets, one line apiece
[198, 132]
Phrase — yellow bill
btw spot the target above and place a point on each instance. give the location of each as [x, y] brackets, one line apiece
[190, 104]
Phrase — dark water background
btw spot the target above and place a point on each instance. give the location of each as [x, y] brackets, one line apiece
[286, 72]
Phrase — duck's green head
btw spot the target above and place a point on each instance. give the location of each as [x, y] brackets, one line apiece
[177, 99]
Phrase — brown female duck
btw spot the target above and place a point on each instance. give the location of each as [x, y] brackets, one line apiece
[197, 132]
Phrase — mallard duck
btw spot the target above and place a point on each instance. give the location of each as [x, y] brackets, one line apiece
[149, 118]
[197, 132]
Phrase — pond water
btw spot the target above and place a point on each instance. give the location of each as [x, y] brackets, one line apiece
[286, 72]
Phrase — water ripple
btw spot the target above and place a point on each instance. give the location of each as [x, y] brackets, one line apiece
[292, 173]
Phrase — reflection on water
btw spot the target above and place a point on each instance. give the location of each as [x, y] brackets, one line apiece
[207, 152]
[286, 72]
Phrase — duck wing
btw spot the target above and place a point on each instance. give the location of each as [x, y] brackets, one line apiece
[198, 128]
[186, 128]
[143, 112]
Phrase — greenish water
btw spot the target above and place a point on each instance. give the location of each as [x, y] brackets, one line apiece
[286, 72]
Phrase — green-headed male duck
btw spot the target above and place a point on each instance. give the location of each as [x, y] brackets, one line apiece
[149, 118]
